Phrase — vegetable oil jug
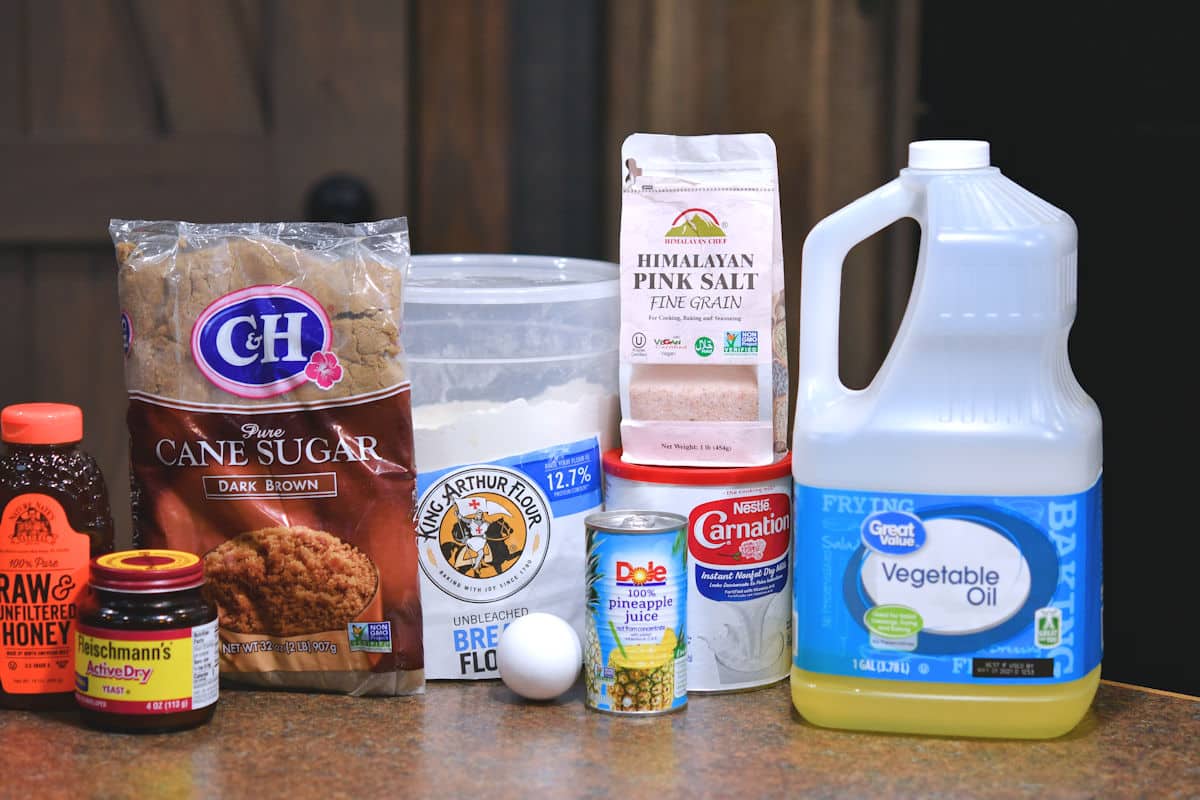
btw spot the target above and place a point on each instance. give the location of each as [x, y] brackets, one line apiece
[948, 515]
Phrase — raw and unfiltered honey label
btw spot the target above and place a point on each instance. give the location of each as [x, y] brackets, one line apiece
[43, 570]
[147, 672]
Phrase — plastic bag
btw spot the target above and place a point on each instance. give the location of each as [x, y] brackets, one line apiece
[270, 432]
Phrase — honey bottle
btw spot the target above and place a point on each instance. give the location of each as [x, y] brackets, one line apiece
[54, 518]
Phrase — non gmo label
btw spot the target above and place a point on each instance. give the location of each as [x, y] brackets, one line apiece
[370, 637]
[948, 588]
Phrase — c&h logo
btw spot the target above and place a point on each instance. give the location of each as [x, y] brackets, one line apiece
[263, 341]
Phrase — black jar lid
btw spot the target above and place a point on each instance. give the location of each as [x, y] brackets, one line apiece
[147, 571]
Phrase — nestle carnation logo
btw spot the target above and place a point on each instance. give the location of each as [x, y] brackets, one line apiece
[743, 530]
[258, 342]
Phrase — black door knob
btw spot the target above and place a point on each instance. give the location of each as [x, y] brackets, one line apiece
[340, 198]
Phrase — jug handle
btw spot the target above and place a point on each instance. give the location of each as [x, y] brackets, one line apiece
[825, 250]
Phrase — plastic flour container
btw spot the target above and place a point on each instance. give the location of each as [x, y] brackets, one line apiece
[739, 535]
[514, 380]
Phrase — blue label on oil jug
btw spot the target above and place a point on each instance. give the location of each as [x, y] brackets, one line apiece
[948, 588]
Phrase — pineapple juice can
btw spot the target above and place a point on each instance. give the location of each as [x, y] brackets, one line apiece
[635, 656]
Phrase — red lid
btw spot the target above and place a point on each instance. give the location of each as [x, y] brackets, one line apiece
[147, 571]
[699, 476]
[41, 423]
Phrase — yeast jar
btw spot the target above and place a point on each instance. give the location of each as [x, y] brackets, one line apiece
[146, 654]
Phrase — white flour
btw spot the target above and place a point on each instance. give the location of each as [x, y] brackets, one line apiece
[449, 434]
[504, 488]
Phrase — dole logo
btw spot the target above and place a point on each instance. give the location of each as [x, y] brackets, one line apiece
[263, 341]
[650, 575]
[742, 530]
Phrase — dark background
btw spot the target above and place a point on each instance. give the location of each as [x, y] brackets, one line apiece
[1091, 106]
[495, 126]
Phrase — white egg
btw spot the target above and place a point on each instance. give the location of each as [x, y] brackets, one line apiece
[539, 656]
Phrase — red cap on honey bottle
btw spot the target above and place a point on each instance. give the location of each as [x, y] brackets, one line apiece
[41, 423]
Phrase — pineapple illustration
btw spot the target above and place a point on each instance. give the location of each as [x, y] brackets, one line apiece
[644, 675]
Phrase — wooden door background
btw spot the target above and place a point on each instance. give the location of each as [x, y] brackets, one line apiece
[493, 126]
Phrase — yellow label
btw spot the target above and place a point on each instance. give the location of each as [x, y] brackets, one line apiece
[146, 672]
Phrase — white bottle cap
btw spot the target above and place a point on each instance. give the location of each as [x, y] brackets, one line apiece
[949, 154]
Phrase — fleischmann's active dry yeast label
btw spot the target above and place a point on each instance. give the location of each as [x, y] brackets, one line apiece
[146, 652]
[147, 672]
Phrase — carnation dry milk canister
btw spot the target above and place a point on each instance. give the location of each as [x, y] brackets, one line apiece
[739, 533]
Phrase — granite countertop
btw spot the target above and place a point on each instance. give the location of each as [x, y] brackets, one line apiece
[479, 740]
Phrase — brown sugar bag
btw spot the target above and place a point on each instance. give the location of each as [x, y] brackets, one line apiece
[271, 433]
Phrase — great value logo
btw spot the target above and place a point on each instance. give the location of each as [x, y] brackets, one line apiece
[893, 532]
[743, 530]
[263, 341]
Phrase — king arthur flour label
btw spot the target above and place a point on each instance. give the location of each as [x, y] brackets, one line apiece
[503, 490]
